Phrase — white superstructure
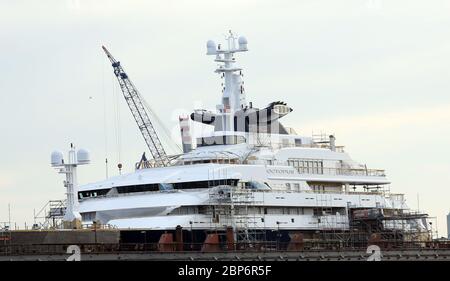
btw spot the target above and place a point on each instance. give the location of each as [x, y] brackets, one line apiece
[250, 173]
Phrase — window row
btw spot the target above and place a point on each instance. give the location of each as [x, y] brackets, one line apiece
[157, 187]
[93, 193]
[207, 210]
[307, 166]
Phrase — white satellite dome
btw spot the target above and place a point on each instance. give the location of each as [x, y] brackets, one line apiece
[242, 40]
[83, 156]
[242, 43]
[211, 47]
[56, 158]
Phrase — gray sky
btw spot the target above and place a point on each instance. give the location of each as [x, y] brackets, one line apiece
[375, 73]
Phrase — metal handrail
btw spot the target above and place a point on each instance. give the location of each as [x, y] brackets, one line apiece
[253, 190]
[301, 169]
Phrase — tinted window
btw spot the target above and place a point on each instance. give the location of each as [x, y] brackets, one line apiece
[92, 193]
[204, 184]
[137, 188]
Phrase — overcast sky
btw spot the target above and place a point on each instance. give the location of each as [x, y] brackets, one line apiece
[374, 73]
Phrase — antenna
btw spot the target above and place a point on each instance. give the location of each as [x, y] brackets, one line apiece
[418, 206]
[106, 167]
[72, 217]
[9, 215]
[233, 97]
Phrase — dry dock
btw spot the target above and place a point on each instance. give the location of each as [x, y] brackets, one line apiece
[307, 255]
[58, 245]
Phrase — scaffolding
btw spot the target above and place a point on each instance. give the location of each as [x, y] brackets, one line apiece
[236, 207]
[5, 236]
[320, 138]
[392, 227]
[50, 216]
[246, 221]
[233, 205]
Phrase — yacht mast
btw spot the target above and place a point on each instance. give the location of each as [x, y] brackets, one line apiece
[233, 97]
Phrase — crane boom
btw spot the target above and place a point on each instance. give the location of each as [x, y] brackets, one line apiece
[134, 101]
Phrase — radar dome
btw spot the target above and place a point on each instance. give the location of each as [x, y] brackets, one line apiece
[242, 43]
[57, 158]
[211, 47]
[83, 156]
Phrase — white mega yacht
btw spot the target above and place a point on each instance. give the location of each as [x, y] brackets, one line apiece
[251, 173]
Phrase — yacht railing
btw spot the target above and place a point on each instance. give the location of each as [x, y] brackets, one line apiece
[338, 148]
[323, 192]
[380, 192]
[301, 170]
[342, 171]
[322, 170]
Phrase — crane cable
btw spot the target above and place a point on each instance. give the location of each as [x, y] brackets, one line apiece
[105, 131]
[117, 124]
[165, 133]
